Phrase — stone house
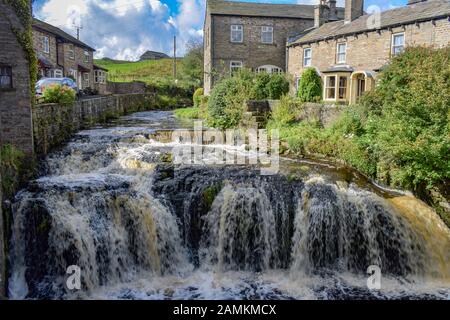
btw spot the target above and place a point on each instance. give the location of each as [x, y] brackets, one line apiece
[348, 54]
[62, 55]
[15, 104]
[252, 35]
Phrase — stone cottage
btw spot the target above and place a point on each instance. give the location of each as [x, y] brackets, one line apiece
[62, 55]
[253, 35]
[349, 53]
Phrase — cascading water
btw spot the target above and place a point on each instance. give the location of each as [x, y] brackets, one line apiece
[140, 227]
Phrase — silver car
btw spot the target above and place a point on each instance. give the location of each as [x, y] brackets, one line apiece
[46, 82]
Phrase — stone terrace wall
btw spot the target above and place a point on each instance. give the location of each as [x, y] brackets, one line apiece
[53, 124]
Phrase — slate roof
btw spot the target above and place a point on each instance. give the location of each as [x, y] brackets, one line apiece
[60, 33]
[422, 11]
[253, 9]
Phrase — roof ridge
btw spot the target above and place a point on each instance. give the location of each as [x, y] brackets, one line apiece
[38, 23]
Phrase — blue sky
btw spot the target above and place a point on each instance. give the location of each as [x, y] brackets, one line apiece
[124, 29]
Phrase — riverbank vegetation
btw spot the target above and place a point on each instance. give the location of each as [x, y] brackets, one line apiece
[225, 106]
[398, 134]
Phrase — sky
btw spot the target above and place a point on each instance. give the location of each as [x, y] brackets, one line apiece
[125, 29]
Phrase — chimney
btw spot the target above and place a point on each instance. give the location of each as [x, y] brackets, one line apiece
[333, 10]
[321, 13]
[353, 10]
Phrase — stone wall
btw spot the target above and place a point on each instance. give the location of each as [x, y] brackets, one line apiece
[54, 124]
[369, 51]
[326, 114]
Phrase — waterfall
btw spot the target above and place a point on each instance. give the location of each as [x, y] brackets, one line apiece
[138, 226]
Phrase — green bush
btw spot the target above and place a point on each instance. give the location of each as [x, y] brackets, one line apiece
[278, 85]
[285, 112]
[188, 113]
[197, 97]
[59, 94]
[260, 87]
[310, 86]
[225, 105]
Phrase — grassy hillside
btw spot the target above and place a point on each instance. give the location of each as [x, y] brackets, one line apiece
[151, 71]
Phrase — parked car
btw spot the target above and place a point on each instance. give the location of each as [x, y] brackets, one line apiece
[46, 82]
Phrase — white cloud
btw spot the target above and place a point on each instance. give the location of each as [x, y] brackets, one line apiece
[124, 29]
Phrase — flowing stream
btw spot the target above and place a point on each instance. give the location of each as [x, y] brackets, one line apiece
[138, 227]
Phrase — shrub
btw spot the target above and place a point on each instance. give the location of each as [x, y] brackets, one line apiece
[59, 94]
[310, 86]
[225, 105]
[278, 85]
[197, 97]
[260, 87]
[286, 111]
[188, 113]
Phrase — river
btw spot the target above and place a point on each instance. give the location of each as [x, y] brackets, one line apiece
[112, 204]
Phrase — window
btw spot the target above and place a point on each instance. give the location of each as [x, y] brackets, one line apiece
[86, 56]
[267, 34]
[237, 33]
[46, 44]
[330, 87]
[71, 52]
[398, 43]
[343, 87]
[100, 76]
[269, 69]
[341, 52]
[307, 55]
[6, 77]
[58, 73]
[86, 78]
[235, 66]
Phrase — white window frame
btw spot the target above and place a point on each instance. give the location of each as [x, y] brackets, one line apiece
[264, 31]
[71, 52]
[237, 29]
[57, 73]
[46, 44]
[238, 65]
[338, 53]
[393, 46]
[307, 61]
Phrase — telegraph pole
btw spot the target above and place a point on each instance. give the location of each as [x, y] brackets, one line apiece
[175, 57]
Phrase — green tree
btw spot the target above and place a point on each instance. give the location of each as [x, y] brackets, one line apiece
[193, 63]
[310, 86]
